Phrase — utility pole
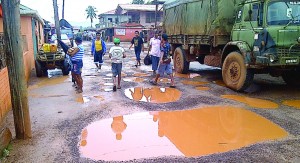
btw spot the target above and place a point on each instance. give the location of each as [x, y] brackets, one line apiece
[156, 10]
[56, 19]
[14, 59]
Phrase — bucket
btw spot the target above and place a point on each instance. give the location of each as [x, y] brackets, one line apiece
[46, 48]
[53, 48]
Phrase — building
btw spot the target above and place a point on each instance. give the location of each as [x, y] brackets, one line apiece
[32, 40]
[128, 18]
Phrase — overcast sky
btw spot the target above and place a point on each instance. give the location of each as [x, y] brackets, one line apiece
[74, 9]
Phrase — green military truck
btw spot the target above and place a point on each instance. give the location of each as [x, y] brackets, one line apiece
[243, 37]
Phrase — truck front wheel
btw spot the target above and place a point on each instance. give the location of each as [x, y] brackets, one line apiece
[234, 72]
[292, 77]
[180, 63]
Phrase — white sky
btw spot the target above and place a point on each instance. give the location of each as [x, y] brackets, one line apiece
[74, 9]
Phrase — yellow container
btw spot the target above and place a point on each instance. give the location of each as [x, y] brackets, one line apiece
[53, 48]
[46, 48]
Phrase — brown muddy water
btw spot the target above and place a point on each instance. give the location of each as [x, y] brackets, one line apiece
[292, 103]
[189, 133]
[153, 94]
[187, 76]
[253, 102]
[194, 83]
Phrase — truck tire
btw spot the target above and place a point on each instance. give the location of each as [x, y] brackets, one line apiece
[235, 74]
[38, 69]
[180, 63]
[65, 68]
[292, 77]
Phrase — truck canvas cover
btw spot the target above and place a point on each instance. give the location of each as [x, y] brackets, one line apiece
[200, 17]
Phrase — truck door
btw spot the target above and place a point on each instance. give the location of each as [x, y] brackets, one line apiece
[251, 23]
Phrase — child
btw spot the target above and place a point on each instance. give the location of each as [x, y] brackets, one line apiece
[116, 54]
[165, 62]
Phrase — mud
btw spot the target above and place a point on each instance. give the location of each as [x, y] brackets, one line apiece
[58, 120]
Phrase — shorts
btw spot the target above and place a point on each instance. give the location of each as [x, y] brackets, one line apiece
[138, 54]
[165, 68]
[77, 67]
[116, 69]
[155, 61]
[98, 57]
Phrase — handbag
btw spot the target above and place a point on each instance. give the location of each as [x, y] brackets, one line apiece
[148, 60]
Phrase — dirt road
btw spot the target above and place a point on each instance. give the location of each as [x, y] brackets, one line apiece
[199, 121]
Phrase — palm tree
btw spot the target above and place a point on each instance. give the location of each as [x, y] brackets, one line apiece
[91, 13]
[63, 9]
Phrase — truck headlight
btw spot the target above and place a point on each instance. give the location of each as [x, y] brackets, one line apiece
[58, 57]
[42, 57]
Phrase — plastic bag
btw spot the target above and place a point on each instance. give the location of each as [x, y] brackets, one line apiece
[148, 60]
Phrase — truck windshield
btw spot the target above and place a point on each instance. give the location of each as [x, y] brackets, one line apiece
[283, 12]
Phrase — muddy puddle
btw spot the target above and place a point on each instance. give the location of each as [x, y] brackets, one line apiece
[141, 75]
[43, 82]
[253, 102]
[203, 88]
[83, 99]
[110, 75]
[194, 83]
[46, 96]
[134, 79]
[153, 94]
[220, 83]
[101, 98]
[187, 76]
[292, 103]
[189, 133]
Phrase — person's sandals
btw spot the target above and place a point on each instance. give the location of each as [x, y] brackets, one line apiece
[79, 91]
[172, 86]
[115, 88]
[119, 87]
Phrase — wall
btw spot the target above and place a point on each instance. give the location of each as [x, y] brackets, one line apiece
[28, 56]
[129, 34]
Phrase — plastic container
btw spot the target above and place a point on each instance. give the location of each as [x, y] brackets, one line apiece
[53, 48]
[46, 48]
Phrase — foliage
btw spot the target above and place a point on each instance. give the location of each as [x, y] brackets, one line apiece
[91, 13]
[138, 2]
[5, 153]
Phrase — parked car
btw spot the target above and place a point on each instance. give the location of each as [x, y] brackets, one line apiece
[64, 38]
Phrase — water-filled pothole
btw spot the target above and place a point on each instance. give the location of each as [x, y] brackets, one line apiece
[253, 102]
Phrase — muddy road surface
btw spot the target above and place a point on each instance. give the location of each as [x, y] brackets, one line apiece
[198, 121]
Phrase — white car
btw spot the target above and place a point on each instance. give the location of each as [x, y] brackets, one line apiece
[64, 39]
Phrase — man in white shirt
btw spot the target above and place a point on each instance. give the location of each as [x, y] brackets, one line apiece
[154, 49]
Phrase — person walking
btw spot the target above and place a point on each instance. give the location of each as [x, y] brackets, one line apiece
[116, 54]
[165, 62]
[154, 48]
[98, 50]
[77, 64]
[138, 43]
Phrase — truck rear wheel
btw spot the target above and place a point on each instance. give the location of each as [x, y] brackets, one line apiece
[292, 77]
[38, 69]
[234, 72]
[180, 63]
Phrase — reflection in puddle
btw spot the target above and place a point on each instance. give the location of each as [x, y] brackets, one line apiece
[292, 103]
[110, 74]
[83, 99]
[203, 88]
[134, 79]
[220, 83]
[254, 102]
[188, 76]
[153, 95]
[108, 89]
[42, 82]
[108, 84]
[194, 83]
[189, 133]
[141, 74]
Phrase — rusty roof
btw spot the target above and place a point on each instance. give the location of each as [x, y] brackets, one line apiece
[136, 7]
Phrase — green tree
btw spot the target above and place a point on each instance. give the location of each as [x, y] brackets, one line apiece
[91, 13]
[138, 2]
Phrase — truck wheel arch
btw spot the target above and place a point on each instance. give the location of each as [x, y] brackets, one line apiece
[240, 46]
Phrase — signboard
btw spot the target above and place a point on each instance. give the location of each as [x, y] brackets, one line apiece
[120, 32]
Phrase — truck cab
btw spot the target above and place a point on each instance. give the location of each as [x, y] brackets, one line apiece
[266, 34]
